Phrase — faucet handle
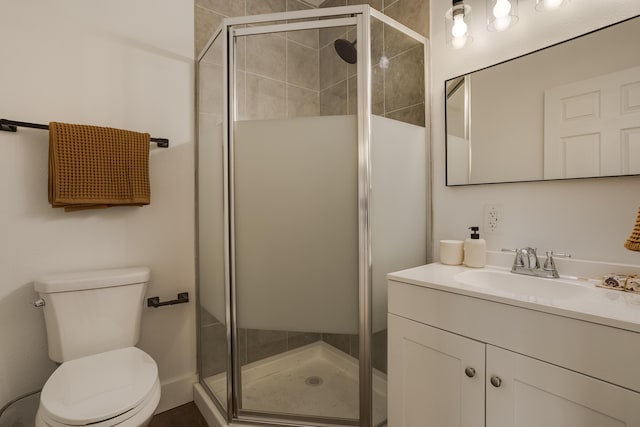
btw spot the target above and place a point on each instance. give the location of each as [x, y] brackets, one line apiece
[552, 254]
[549, 264]
[518, 261]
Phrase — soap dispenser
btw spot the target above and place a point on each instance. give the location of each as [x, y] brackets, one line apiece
[475, 249]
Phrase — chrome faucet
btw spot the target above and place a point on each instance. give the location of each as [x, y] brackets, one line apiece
[526, 262]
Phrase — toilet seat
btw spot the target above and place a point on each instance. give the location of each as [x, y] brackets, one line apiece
[104, 389]
[128, 419]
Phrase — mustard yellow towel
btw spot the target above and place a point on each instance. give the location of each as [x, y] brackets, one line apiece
[93, 167]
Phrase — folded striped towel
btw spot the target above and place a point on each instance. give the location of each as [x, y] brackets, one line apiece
[93, 167]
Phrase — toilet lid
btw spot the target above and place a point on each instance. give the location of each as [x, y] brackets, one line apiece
[98, 387]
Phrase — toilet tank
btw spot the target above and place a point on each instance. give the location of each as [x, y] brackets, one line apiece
[91, 312]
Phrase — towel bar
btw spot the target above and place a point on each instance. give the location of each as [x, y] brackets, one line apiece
[12, 126]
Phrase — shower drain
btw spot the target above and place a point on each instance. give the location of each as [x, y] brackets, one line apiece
[313, 381]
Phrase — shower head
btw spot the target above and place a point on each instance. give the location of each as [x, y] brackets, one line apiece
[346, 50]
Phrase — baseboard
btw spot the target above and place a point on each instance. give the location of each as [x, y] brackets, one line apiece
[176, 392]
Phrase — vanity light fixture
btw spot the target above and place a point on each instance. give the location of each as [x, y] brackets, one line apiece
[544, 5]
[501, 14]
[457, 24]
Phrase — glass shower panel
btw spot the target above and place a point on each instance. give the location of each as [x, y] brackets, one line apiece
[398, 74]
[213, 345]
[398, 159]
[295, 212]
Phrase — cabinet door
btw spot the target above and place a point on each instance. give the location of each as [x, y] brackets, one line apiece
[428, 381]
[532, 393]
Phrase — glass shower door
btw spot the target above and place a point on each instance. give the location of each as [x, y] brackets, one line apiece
[311, 188]
[295, 225]
[398, 178]
[213, 345]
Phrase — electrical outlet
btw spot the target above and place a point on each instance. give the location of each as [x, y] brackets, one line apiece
[492, 219]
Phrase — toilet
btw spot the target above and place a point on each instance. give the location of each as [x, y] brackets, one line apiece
[93, 323]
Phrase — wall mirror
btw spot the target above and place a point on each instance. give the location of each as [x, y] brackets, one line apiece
[571, 110]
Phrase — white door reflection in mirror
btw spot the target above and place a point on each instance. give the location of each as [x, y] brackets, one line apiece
[592, 127]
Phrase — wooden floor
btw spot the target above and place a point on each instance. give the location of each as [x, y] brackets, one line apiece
[182, 416]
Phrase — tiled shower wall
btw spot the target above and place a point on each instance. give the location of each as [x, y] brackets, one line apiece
[277, 74]
[300, 74]
[257, 344]
[397, 86]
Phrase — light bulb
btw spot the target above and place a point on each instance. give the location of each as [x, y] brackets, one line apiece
[502, 23]
[502, 8]
[552, 4]
[459, 42]
[384, 62]
[459, 28]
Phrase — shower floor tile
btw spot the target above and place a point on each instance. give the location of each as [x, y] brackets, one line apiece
[315, 380]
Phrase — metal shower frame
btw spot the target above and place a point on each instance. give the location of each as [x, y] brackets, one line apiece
[359, 15]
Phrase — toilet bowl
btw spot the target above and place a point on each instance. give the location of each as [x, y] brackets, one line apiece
[118, 387]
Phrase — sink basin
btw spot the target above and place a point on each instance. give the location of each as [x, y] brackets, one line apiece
[520, 285]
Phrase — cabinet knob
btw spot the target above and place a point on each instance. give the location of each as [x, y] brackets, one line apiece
[496, 381]
[470, 372]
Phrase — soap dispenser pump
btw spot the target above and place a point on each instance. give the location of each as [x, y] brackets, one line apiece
[475, 249]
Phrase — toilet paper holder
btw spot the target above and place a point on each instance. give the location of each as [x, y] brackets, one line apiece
[183, 297]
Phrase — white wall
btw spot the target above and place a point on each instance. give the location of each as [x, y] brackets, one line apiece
[121, 64]
[589, 218]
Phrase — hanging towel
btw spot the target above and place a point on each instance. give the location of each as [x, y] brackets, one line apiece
[93, 167]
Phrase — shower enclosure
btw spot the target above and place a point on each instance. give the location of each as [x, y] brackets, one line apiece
[312, 186]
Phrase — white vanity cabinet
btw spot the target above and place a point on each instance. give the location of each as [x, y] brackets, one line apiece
[535, 393]
[459, 360]
[427, 384]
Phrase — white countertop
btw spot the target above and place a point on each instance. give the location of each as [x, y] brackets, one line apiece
[598, 305]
